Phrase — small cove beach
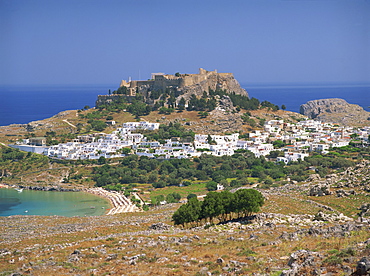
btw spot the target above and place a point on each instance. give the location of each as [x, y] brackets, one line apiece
[89, 202]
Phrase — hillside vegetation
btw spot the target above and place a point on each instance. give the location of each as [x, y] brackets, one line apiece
[307, 217]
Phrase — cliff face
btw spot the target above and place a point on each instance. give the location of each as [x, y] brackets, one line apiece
[213, 81]
[336, 111]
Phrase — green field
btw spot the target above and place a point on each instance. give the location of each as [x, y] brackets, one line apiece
[198, 188]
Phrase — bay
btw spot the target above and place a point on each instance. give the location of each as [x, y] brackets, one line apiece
[47, 203]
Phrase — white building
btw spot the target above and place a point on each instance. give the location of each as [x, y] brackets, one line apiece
[140, 125]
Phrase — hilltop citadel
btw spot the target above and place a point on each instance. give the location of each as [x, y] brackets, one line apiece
[179, 84]
[161, 81]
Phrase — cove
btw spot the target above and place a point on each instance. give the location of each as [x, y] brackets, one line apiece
[46, 203]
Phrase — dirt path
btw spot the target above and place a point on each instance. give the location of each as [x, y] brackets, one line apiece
[69, 123]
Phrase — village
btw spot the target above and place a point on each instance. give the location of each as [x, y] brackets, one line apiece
[296, 141]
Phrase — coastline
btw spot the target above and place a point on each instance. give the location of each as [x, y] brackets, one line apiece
[118, 202]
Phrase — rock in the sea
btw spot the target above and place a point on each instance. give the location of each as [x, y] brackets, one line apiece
[335, 111]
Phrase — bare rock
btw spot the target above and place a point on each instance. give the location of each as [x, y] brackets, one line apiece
[363, 267]
[160, 226]
[302, 261]
[320, 190]
[365, 210]
[335, 111]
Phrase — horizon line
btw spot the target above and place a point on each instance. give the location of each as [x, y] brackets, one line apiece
[242, 83]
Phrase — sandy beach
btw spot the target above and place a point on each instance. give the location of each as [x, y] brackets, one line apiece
[119, 203]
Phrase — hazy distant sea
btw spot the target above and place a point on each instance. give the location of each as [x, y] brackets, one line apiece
[24, 104]
[21, 105]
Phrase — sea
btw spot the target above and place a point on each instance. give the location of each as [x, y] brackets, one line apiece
[21, 105]
[47, 203]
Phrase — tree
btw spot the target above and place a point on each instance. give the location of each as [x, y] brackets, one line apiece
[125, 151]
[173, 197]
[188, 213]
[181, 105]
[97, 125]
[248, 201]
[211, 207]
[227, 201]
[191, 196]
[275, 154]
[283, 107]
[102, 160]
[211, 186]
[122, 90]
[278, 144]
[138, 108]
[157, 199]
[165, 110]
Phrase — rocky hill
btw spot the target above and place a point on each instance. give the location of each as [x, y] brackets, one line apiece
[214, 81]
[179, 85]
[336, 111]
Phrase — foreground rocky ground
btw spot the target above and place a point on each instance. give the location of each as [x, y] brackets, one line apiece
[294, 234]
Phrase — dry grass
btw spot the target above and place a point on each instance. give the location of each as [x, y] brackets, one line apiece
[198, 188]
[167, 258]
[346, 205]
[289, 204]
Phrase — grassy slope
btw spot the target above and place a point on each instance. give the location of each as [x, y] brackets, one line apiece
[43, 245]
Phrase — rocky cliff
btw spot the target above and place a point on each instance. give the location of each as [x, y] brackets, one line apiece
[336, 111]
[182, 85]
[215, 82]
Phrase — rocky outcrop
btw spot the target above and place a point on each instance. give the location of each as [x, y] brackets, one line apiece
[215, 82]
[320, 190]
[336, 111]
[363, 266]
[183, 86]
[302, 262]
[364, 210]
[160, 226]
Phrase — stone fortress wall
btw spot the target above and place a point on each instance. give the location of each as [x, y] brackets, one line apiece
[161, 81]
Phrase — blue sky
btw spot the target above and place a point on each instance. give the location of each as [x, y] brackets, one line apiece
[72, 42]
